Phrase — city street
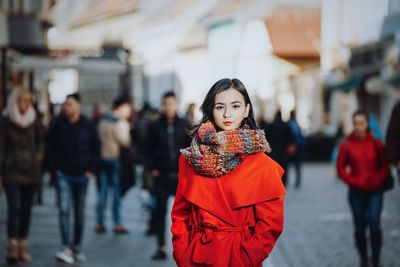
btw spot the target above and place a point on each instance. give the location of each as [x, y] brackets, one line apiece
[318, 230]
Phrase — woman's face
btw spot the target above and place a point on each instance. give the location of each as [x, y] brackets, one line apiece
[24, 104]
[230, 109]
[360, 125]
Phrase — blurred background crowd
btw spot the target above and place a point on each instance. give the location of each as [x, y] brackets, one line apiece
[126, 70]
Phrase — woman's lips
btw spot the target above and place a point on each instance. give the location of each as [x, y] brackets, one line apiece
[227, 123]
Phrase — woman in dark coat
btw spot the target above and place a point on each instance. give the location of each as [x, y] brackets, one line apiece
[363, 166]
[20, 161]
[228, 210]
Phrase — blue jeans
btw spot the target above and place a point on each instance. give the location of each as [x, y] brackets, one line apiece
[109, 175]
[71, 188]
[366, 209]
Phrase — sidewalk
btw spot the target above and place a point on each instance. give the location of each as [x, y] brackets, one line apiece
[318, 229]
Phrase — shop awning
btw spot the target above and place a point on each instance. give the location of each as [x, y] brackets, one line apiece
[295, 33]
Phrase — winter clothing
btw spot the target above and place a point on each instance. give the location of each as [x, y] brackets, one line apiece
[165, 141]
[362, 164]
[113, 133]
[393, 135]
[12, 112]
[357, 163]
[21, 151]
[215, 153]
[230, 221]
[163, 152]
[73, 148]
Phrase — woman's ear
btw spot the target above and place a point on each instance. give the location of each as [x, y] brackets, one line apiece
[247, 110]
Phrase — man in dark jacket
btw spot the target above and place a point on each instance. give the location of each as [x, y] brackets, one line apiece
[73, 154]
[165, 138]
[393, 137]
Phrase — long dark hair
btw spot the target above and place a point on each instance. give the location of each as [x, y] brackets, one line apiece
[363, 113]
[208, 104]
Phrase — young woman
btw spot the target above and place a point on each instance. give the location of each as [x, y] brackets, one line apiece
[228, 208]
[362, 165]
[20, 155]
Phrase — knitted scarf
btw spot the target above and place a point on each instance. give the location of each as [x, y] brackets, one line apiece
[12, 111]
[215, 153]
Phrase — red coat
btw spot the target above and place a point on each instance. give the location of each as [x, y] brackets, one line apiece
[357, 163]
[233, 220]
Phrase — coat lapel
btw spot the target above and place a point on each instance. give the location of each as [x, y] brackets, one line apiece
[206, 193]
[256, 179]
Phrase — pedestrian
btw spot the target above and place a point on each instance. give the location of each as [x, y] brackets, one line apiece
[282, 141]
[73, 154]
[393, 138]
[145, 118]
[228, 209]
[165, 138]
[363, 166]
[114, 133]
[299, 141]
[21, 151]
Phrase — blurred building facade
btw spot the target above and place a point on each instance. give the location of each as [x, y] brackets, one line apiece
[23, 38]
[28, 62]
[322, 58]
[188, 45]
[360, 59]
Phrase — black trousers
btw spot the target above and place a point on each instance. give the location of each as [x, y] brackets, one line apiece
[165, 186]
[19, 209]
[160, 217]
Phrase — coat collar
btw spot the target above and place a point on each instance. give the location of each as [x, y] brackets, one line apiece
[255, 180]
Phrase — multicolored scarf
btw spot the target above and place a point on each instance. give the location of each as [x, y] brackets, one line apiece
[215, 153]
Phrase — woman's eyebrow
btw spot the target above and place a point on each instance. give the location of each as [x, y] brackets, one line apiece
[234, 102]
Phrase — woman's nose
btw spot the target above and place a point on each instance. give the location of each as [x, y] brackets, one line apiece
[227, 113]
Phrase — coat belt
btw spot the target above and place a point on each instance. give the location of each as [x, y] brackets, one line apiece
[208, 231]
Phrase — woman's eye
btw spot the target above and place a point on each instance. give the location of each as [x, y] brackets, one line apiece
[236, 106]
[219, 107]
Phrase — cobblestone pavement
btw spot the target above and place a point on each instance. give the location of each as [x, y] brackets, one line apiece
[318, 229]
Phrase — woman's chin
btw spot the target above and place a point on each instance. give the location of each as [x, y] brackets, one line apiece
[227, 128]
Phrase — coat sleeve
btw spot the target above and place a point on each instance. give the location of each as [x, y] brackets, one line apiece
[39, 140]
[380, 174]
[342, 164]
[180, 214]
[122, 133]
[94, 149]
[151, 147]
[50, 147]
[2, 147]
[393, 135]
[269, 225]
